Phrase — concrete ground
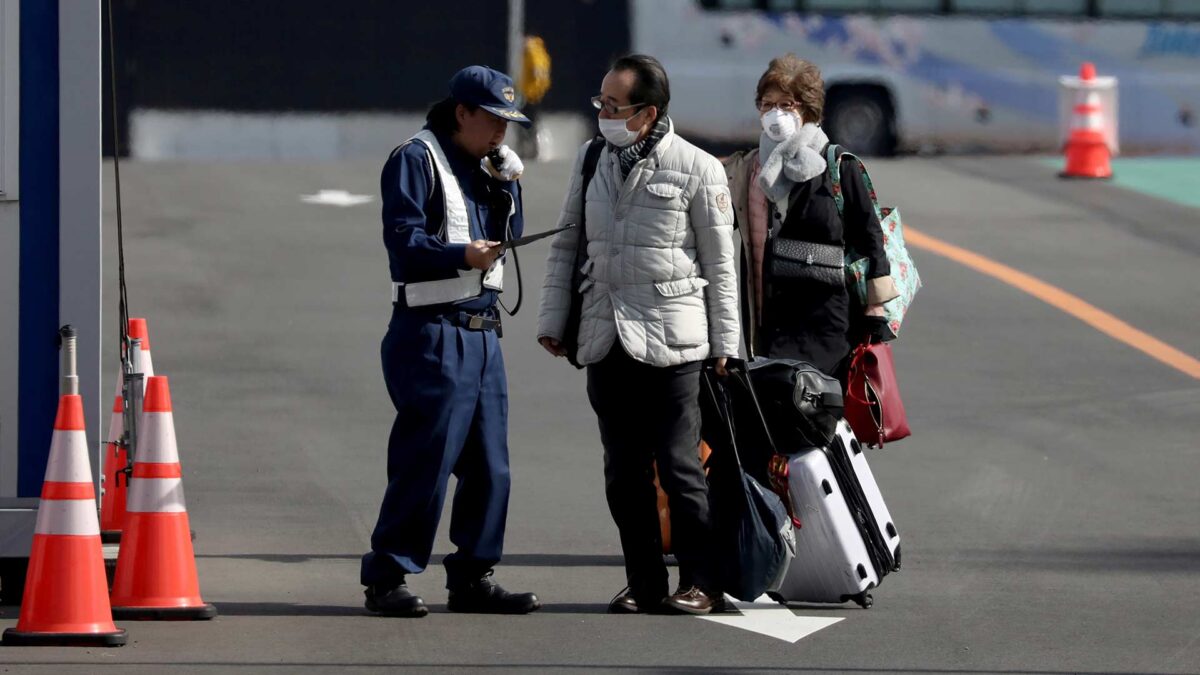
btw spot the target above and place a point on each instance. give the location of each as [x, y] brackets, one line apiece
[1047, 500]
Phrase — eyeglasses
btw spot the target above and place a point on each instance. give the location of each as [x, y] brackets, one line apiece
[611, 109]
[767, 106]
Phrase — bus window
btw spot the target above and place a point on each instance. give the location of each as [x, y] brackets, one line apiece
[839, 5]
[1129, 7]
[729, 4]
[1183, 8]
[1006, 6]
[1057, 7]
[911, 5]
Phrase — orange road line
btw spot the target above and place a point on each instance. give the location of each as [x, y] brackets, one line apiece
[1056, 297]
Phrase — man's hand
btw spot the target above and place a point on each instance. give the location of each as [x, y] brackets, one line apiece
[719, 367]
[481, 254]
[552, 345]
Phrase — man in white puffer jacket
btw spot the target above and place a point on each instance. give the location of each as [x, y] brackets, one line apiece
[660, 295]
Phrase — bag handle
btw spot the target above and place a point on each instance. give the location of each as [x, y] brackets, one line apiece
[720, 398]
[777, 469]
[869, 399]
[834, 155]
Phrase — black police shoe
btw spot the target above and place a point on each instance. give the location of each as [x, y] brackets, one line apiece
[487, 597]
[395, 601]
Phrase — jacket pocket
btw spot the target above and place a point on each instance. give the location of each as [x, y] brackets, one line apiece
[678, 287]
[586, 284]
[664, 190]
[683, 310]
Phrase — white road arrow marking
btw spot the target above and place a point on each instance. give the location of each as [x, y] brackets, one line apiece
[770, 618]
[335, 198]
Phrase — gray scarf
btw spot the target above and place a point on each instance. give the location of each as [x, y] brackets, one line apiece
[794, 160]
[628, 156]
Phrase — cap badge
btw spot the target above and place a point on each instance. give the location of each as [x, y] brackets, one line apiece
[509, 94]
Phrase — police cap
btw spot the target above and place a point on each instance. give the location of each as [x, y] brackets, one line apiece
[489, 89]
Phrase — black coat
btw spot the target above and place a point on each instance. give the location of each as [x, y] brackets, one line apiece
[810, 322]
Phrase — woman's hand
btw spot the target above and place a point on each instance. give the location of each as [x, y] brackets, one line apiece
[552, 345]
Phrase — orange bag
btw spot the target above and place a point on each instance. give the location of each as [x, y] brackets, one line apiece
[664, 513]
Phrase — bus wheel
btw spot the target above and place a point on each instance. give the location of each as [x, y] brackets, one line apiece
[862, 119]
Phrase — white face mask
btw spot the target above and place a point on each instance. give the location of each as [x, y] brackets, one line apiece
[615, 132]
[778, 125]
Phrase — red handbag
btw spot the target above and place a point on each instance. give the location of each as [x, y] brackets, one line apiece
[873, 406]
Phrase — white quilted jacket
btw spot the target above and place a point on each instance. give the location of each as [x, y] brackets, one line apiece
[660, 273]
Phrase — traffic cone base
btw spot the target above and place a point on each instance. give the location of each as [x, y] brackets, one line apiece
[80, 590]
[15, 638]
[1088, 160]
[157, 591]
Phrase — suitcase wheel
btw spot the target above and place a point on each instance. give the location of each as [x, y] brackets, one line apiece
[864, 600]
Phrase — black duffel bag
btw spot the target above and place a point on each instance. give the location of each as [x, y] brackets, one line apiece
[753, 541]
[801, 404]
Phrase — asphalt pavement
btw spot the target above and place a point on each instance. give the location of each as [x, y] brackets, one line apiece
[1047, 501]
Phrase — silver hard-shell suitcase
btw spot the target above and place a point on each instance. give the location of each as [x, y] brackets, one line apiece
[847, 541]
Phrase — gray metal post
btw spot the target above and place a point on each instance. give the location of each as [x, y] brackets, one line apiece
[516, 36]
[132, 390]
[70, 377]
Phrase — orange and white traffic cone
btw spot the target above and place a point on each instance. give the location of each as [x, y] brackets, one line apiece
[139, 331]
[114, 479]
[1087, 152]
[66, 593]
[156, 567]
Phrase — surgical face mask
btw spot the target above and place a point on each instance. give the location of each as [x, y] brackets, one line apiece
[778, 125]
[615, 132]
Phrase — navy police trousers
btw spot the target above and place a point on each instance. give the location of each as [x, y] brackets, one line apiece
[451, 397]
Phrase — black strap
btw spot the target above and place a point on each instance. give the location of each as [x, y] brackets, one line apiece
[591, 158]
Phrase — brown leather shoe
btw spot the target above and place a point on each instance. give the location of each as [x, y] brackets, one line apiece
[624, 603]
[692, 600]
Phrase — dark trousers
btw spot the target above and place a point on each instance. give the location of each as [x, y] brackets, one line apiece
[451, 398]
[647, 415]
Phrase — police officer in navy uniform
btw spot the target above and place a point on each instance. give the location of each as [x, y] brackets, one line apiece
[450, 195]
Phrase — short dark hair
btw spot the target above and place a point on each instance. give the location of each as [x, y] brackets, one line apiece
[441, 117]
[651, 85]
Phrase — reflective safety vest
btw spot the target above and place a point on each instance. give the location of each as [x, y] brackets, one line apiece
[455, 229]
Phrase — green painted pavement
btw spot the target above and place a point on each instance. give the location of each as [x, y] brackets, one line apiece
[1175, 179]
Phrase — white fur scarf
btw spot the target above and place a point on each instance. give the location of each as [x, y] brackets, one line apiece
[794, 160]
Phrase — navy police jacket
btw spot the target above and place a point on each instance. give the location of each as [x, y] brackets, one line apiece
[413, 210]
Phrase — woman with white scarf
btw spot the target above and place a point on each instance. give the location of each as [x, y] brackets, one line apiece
[782, 189]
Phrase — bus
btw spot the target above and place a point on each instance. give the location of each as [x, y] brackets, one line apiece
[932, 75]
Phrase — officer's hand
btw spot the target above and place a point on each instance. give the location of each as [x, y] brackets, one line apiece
[481, 254]
[552, 345]
[503, 164]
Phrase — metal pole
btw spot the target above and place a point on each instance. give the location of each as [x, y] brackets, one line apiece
[70, 377]
[131, 393]
[516, 36]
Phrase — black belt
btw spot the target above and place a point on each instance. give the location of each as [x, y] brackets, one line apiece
[474, 321]
[485, 319]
